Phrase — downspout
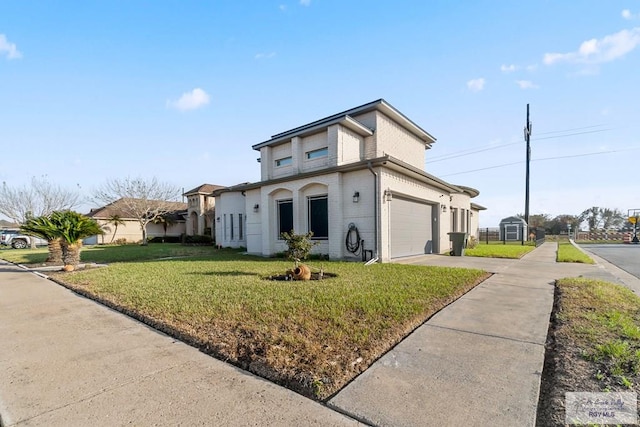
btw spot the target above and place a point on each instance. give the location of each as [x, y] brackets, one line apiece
[375, 215]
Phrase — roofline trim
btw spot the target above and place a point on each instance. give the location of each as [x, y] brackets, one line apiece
[380, 105]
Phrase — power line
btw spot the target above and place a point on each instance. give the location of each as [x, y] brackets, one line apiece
[570, 130]
[543, 159]
[467, 152]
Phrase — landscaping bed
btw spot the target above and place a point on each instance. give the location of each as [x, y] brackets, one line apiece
[593, 344]
[310, 336]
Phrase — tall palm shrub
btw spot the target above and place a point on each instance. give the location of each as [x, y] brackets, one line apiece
[44, 228]
[167, 221]
[74, 227]
[116, 220]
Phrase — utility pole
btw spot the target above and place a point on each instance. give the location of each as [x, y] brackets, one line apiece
[527, 137]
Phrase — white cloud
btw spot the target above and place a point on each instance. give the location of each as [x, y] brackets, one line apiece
[193, 100]
[476, 85]
[508, 68]
[526, 84]
[282, 7]
[626, 14]
[265, 55]
[596, 51]
[8, 48]
[305, 2]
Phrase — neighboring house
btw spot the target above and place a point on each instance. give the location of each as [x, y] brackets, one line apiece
[355, 174]
[201, 210]
[8, 224]
[130, 230]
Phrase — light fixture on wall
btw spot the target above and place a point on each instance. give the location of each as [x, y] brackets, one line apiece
[218, 219]
[470, 213]
[387, 195]
[356, 197]
[444, 208]
[256, 207]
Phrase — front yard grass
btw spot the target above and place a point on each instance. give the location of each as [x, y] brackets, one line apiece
[498, 250]
[593, 344]
[112, 253]
[311, 336]
[569, 253]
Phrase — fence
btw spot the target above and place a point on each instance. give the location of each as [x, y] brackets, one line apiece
[492, 234]
[601, 235]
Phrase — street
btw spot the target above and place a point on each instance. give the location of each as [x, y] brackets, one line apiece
[626, 257]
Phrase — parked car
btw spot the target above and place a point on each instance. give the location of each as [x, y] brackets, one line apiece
[17, 240]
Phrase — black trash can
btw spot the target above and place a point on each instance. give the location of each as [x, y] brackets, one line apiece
[458, 242]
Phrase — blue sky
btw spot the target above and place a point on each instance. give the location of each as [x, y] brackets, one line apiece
[96, 90]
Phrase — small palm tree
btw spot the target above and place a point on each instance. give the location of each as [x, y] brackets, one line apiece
[73, 227]
[166, 220]
[116, 220]
[44, 228]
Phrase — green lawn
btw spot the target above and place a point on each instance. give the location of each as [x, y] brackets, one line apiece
[594, 344]
[603, 319]
[498, 250]
[312, 336]
[112, 253]
[569, 253]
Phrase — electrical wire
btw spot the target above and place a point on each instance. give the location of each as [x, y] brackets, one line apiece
[467, 152]
[571, 156]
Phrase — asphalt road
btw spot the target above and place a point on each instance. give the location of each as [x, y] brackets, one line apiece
[626, 257]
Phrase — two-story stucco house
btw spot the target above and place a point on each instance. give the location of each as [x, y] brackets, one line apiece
[357, 180]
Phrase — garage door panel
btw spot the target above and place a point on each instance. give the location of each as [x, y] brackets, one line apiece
[410, 230]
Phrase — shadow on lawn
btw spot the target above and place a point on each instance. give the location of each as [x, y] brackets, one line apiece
[225, 273]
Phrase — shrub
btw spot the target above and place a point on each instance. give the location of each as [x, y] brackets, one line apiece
[472, 242]
[198, 240]
[166, 239]
[299, 245]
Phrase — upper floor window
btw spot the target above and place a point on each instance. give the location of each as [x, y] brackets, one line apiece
[315, 154]
[285, 161]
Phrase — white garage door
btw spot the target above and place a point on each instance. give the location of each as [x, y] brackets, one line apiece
[411, 232]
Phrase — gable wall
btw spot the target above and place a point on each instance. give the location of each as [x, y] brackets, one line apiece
[394, 140]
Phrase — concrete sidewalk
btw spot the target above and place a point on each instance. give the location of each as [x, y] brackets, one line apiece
[68, 361]
[478, 361]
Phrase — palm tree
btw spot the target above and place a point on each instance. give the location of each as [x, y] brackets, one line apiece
[166, 220]
[116, 220]
[44, 228]
[73, 227]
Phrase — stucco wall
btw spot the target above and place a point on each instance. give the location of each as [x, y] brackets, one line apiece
[231, 222]
[350, 146]
[315, 142]
[130, 231]
[394, 140]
